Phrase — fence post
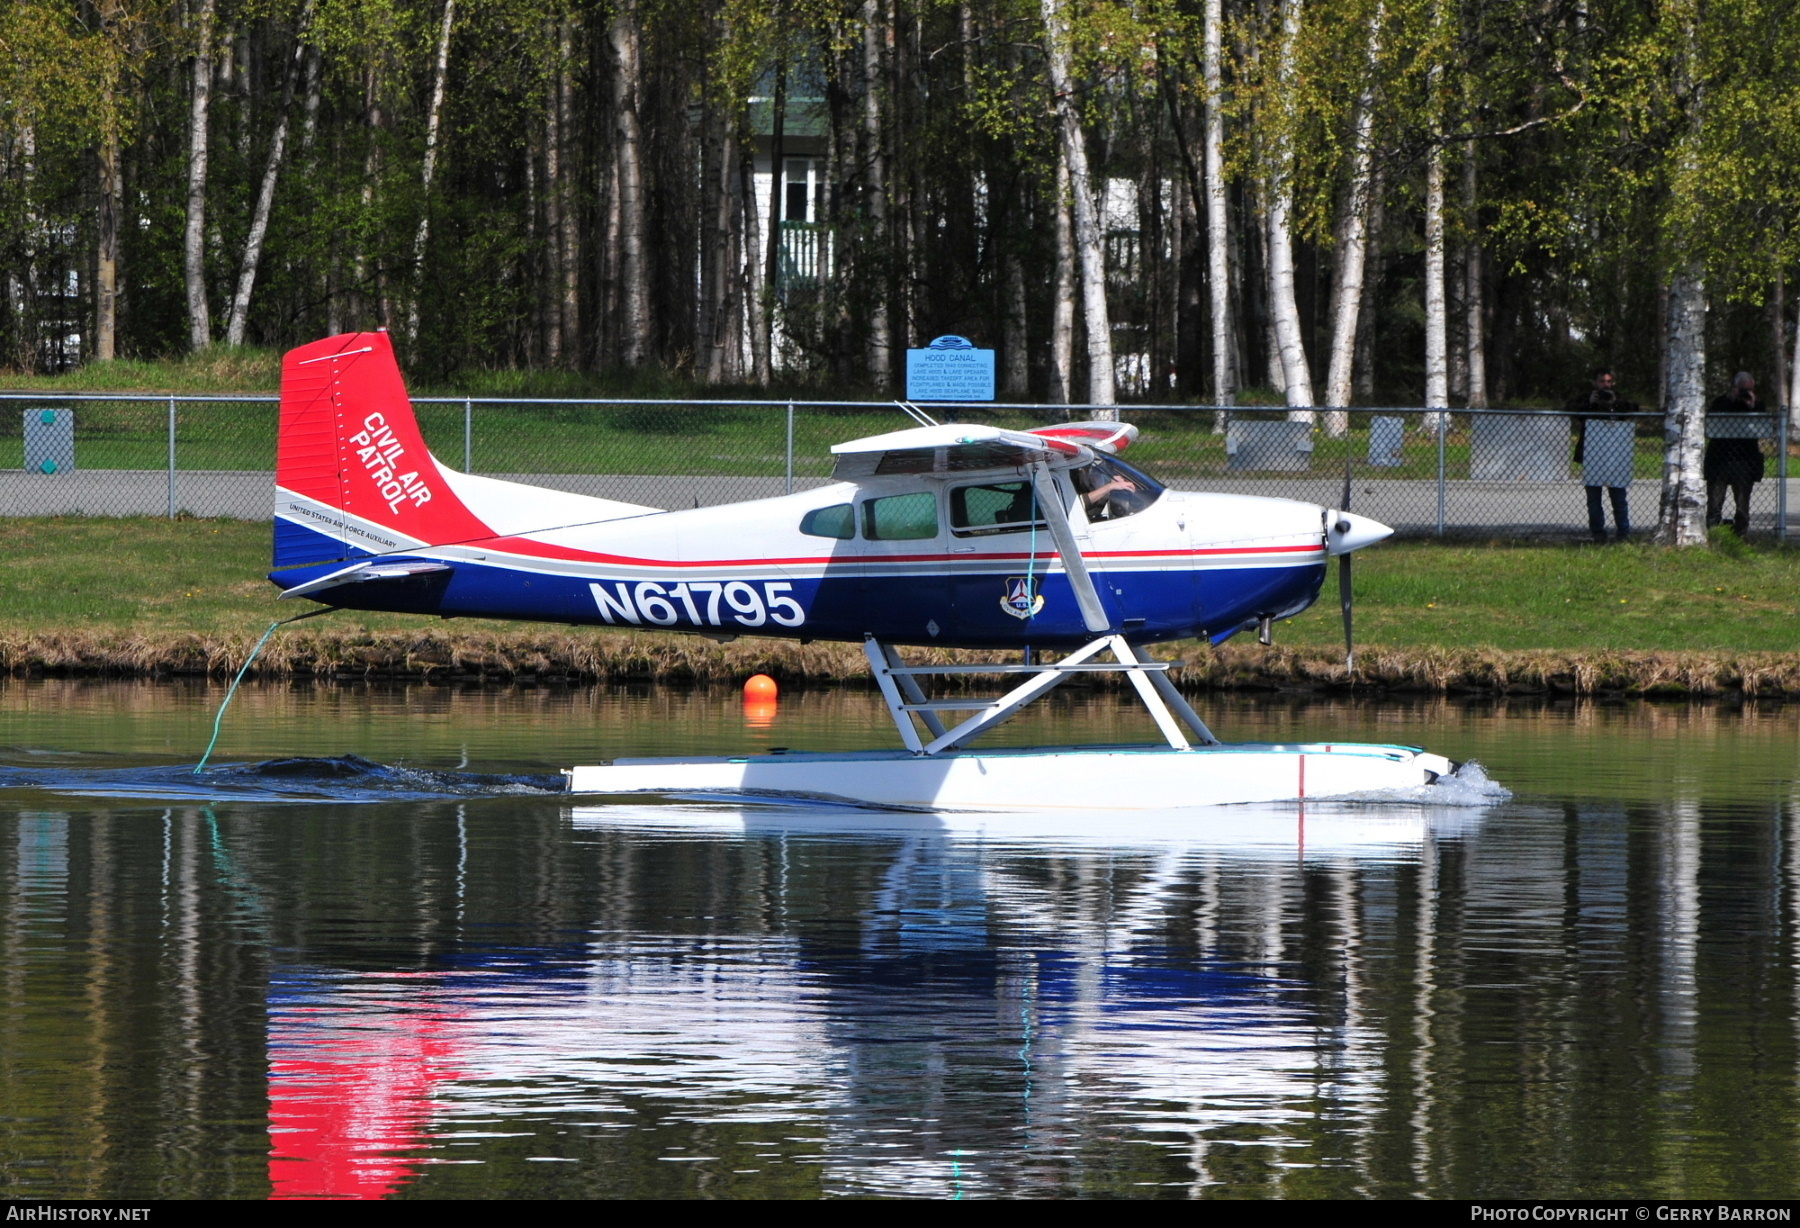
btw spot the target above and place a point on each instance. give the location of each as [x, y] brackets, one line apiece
[468, 435]
[1781, 475]
[790, 448]
[1443, 425]
[171, 458]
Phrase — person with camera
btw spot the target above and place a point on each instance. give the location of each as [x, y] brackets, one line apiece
[1607, 464]
[1733, 464]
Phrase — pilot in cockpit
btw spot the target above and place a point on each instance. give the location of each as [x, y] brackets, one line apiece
[1112, 491]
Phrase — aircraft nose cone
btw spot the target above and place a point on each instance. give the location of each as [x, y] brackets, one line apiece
[1345, 531]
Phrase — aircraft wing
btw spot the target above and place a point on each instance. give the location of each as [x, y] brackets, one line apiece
[1109, 437]
[960, 447]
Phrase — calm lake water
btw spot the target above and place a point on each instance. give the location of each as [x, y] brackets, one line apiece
[374, 954]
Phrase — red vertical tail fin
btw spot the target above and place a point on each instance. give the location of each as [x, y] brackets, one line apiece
[352, 472]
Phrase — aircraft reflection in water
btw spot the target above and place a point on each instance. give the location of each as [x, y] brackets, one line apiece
[375, 1075]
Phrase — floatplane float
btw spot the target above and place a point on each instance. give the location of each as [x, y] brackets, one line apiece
[1041, 543]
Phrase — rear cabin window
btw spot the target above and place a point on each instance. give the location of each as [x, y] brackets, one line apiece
[1004, 507]
[837, 521]
[901, 518]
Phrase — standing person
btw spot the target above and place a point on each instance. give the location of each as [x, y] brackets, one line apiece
[1734, 465]
[1608, 466]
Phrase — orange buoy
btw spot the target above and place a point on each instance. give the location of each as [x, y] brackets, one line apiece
[760, 688]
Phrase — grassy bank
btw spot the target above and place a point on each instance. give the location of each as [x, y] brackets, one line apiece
[148, 596]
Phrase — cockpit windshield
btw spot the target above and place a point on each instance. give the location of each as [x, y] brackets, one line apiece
[1113, 490]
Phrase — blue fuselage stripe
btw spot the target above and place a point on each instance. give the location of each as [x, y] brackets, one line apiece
[975, 609]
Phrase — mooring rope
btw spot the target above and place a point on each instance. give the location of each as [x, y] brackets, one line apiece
[219, 720]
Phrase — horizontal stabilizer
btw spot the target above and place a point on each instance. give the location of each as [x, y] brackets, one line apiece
[362, 573]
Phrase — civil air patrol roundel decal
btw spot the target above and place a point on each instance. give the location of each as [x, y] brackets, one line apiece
[1021, 599]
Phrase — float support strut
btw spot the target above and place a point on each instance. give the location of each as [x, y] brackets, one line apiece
[905, 699]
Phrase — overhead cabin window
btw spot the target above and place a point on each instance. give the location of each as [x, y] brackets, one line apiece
[1004, 507]
[1112, 490]
[901, 518]
[837, 521]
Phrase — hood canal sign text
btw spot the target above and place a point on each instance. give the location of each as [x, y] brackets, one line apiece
[950, 369]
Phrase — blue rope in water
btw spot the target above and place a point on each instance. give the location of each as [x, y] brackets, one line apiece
[219, 720]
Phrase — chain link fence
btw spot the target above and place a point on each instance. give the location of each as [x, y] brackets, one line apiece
[1492, 473]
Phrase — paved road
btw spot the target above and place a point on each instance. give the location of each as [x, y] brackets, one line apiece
[1502, 508]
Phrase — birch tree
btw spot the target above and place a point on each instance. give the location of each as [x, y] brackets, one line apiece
[875, 195]
[238, 319]
[1218, 239]
[1090, 241]
[434, 116]
[1474, 283]
[1353, 237]
[199, 123]
[1682, 516]
[1437, 323]
[1284, 312]
[113, 47]
[1062, 290]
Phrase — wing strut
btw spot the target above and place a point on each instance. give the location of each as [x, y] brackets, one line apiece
[1050, 503]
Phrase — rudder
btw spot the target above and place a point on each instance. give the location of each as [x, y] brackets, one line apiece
[353, 476]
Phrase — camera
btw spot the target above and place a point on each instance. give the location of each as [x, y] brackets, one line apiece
[1605, 396]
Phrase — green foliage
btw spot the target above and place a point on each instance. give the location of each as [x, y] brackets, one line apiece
[1612, 140]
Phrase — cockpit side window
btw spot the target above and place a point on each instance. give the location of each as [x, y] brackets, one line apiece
[900, 518]
[1112, 490]
[837, 521]
[1002, 507]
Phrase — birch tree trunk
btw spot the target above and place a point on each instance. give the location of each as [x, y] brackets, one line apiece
[1437, 365]
[434, 115]
[1682, 521]
[880, 340]
[238, 320]
[1062, 293]
[1353, 240]
[199, 124]
[634, 273]
[755, 302]
[1090, 241]
[1218, 239]
[1284, 312]
[111, 199]
[1473, 285]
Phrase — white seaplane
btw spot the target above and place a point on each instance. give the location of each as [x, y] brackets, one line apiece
[951, 535]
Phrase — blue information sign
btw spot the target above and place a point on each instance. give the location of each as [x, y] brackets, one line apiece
[950, 369]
